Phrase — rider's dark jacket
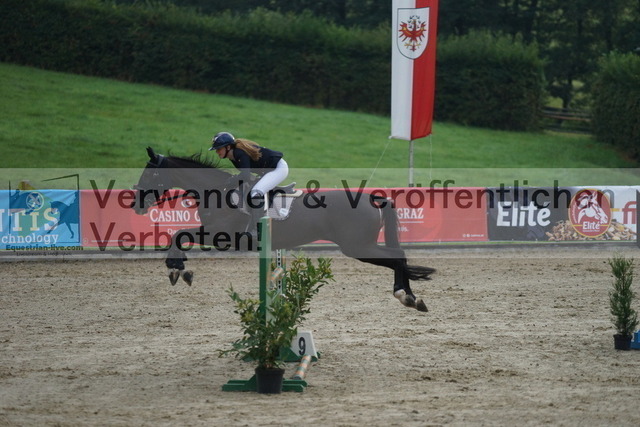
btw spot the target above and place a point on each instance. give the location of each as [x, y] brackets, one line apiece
[246, 165]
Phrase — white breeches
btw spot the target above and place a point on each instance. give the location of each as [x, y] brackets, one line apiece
[270, 179]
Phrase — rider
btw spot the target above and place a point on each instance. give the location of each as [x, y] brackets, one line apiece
[248, 157]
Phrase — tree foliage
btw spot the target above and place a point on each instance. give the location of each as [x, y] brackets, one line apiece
[616, 102]
[489, 81]
[571, 34]
[284, 51]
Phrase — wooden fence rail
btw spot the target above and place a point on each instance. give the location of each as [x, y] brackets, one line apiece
[566, 120]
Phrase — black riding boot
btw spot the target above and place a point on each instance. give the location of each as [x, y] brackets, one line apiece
[256, 210]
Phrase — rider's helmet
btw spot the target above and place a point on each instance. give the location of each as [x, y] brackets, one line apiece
[222, 139]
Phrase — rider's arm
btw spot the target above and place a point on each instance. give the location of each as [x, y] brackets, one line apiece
[243, 164]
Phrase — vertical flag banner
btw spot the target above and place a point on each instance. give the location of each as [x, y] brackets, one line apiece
[413, 67]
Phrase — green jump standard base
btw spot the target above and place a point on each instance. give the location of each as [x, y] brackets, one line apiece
[250, 385]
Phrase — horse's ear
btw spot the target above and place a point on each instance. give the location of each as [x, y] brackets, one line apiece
[151, 153]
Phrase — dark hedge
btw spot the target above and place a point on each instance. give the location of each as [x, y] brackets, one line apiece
[616, 102]
[294, 59]
[489, 81]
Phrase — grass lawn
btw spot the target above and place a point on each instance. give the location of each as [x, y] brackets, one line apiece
[57, 120]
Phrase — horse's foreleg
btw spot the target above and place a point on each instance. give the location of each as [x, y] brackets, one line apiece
[176, 257]
[187, 276]
[175, 273]
[175, 265]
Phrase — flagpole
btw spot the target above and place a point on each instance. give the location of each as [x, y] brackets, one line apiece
[413, 63]
[411, 183]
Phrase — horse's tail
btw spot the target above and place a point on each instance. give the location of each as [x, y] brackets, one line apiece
[392, 237]
[418, 272]
[389, 221]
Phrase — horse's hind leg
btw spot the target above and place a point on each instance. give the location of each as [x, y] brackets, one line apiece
[402, 288]
[395, 260]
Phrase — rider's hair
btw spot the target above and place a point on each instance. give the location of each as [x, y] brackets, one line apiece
[249, 147]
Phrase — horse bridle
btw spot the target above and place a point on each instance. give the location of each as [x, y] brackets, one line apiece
[162, 184]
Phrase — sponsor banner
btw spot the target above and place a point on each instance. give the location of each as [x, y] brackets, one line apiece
[438, 214]
[425, 215]
[108, 220]
[562, 214]
[524, 213]
[103, 218]
[33, 219]
[617, 208]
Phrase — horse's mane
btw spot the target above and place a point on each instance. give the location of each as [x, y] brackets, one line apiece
[198, 160]
[203, 168]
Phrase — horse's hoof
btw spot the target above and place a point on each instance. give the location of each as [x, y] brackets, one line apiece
[187, 276]
[174, 275]
[406, 299]
[421, 306]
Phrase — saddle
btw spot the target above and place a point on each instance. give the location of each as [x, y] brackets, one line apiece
[285, 191]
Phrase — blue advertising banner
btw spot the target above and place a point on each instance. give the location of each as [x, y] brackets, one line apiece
[34, 219]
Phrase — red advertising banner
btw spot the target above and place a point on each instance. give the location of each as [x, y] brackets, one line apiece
[108, 220]
[438, 214]
[424, 214]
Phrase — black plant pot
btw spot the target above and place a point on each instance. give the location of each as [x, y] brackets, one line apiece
[269, 380]
[622, 342]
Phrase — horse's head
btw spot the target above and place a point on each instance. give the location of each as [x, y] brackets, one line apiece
[153, 183]
[197, 176]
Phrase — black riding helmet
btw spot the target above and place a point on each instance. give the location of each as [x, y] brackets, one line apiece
[222, 139]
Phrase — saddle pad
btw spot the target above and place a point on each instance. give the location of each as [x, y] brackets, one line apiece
[280, 206]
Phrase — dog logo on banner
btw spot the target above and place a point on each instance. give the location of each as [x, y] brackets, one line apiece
[413, 32]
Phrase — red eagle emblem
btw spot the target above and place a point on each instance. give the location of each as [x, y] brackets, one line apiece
[413, 32]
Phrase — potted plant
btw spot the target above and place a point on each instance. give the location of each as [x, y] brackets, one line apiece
[621, 297]
[269, 331]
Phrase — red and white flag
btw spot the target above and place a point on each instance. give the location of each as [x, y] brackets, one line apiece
[413, 67]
